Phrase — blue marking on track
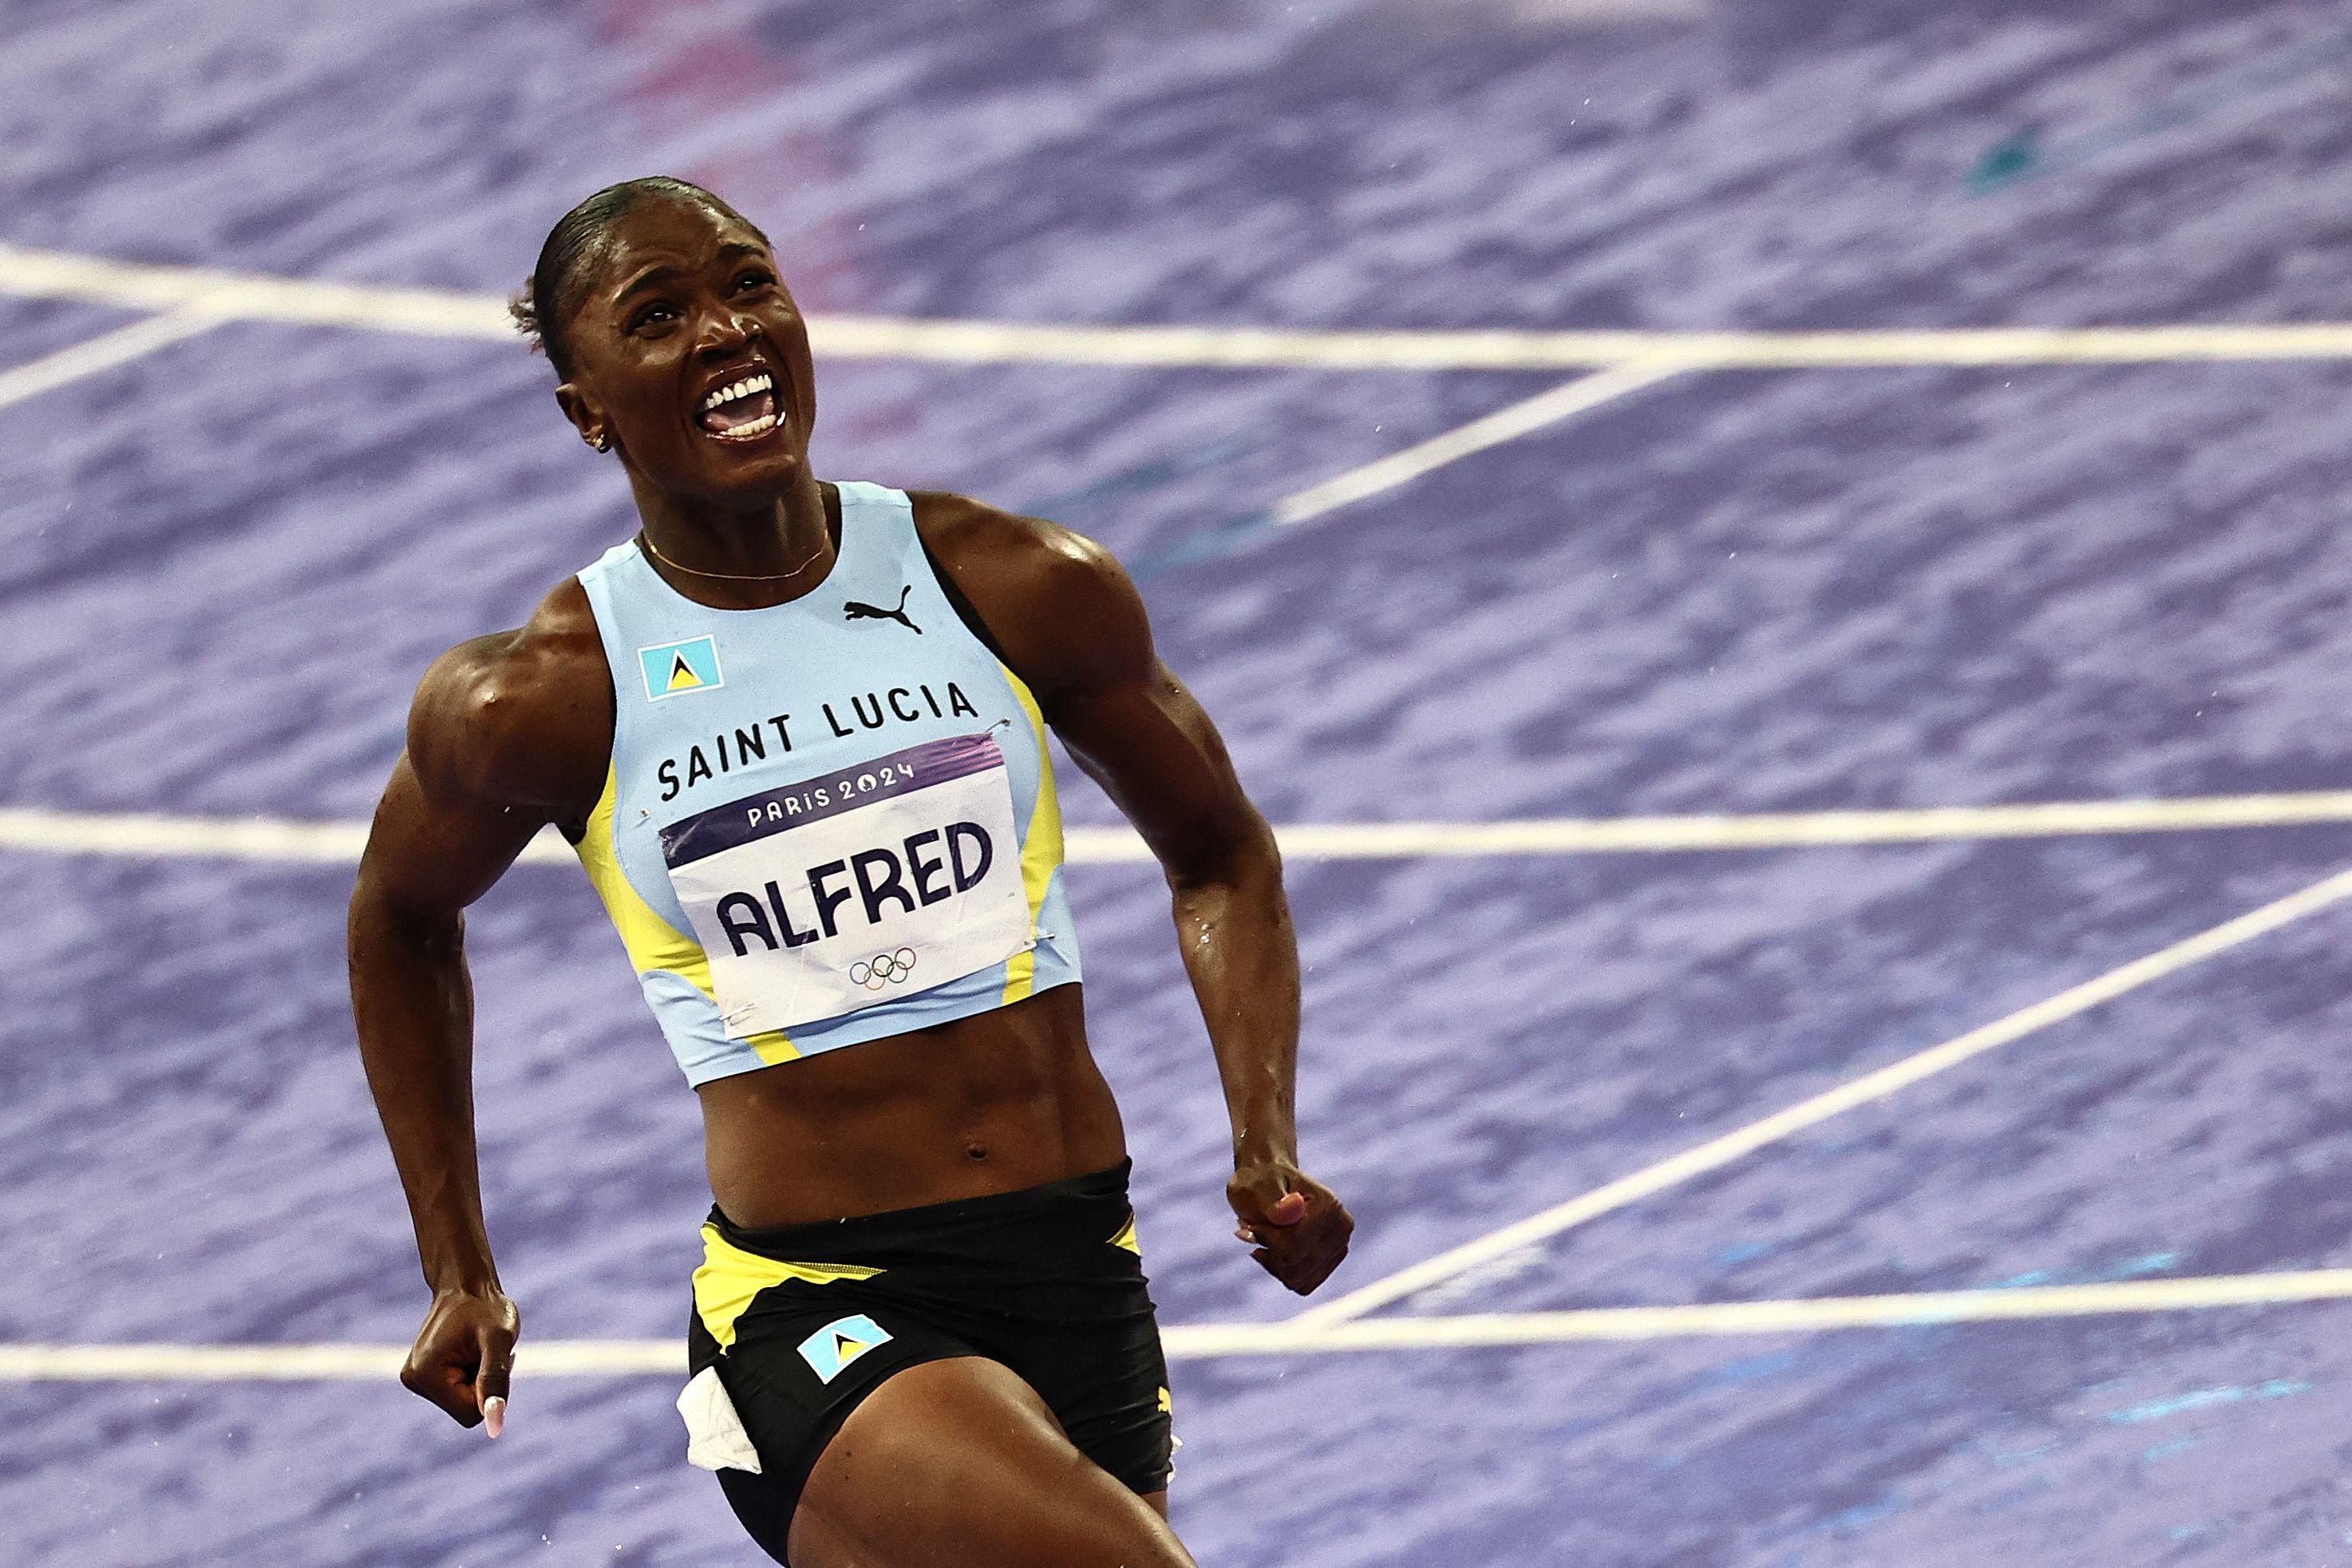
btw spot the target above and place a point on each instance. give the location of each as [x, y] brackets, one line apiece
[2205, 1399]
[2128, 1269]
[2028, 155]
[1232, 537]
[1862, 1515]
[2025, 1456]
[1090, 503]
[1753, 1367]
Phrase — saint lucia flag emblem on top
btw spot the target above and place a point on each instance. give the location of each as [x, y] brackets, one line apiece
[839, 1342]
[674, 668]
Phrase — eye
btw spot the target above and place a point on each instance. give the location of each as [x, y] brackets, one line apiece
[654, 313]
[752, 279]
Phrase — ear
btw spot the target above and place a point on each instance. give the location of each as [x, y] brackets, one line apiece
[586, 417]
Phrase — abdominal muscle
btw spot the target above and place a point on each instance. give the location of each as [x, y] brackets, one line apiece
[1003, 1100]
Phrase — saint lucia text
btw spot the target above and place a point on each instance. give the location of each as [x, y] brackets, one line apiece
[742, 748]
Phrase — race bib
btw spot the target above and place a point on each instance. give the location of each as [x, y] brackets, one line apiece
[829, 895]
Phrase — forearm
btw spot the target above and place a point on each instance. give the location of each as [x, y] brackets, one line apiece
[413, 1000]
[1233, 924]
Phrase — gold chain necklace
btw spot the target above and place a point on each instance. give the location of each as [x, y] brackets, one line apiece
[647, 543]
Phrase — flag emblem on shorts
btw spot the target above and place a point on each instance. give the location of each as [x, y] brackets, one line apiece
[672, 668]
[839, 1342]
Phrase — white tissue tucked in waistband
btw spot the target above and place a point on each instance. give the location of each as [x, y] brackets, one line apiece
[714, 1438]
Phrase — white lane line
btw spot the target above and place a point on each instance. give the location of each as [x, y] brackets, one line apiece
[250, 297]
[57, 274]
[1867, 1090]
[152, 835]
[104, 352]
[1934, 824]
[1196, 1342]
[307, 1362]
[1886, 349]
[1509, 424]
[147, 833]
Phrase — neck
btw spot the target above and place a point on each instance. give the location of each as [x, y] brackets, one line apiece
[768, 555]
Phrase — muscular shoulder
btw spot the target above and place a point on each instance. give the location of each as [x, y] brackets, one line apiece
[1059, 604]
[521, 718]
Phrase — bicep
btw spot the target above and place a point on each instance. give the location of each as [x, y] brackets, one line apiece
[432, 851]
[1150, 746]
[490, 760]
[1069, 620]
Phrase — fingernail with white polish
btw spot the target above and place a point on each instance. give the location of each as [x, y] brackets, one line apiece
[494, 1415]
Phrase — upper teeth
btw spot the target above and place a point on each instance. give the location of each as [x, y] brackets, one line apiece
[744, 388]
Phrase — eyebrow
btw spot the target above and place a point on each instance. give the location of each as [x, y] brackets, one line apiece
[649, 278]
[654, 276]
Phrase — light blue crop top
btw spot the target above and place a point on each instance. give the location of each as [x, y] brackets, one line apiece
[825, 821]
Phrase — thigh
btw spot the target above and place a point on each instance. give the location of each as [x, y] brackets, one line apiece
[1107, 1383]
[960, 1461]
[803, 1357]
[1089, 1346]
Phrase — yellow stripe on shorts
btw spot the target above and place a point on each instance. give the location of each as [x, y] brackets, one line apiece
[729, 1278]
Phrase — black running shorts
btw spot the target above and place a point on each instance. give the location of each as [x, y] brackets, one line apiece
[803, 1321]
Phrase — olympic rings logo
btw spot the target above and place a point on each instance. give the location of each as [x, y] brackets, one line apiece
[883, 969]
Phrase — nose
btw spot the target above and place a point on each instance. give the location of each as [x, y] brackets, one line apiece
[723, 333]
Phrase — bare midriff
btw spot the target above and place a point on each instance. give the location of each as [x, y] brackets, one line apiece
[1003, 1100]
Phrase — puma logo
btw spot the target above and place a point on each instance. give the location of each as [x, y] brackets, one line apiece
[854, 611]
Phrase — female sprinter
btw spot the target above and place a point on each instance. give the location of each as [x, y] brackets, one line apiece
[797, 731]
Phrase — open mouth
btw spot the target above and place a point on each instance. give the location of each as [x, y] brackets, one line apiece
[743, 409]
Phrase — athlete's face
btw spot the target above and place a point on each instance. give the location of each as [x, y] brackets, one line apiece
[689, 355]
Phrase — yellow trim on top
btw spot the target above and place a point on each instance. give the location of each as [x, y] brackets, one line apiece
[1041, 848]
[773, 1047]
[652, 943]
[729, 1278]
